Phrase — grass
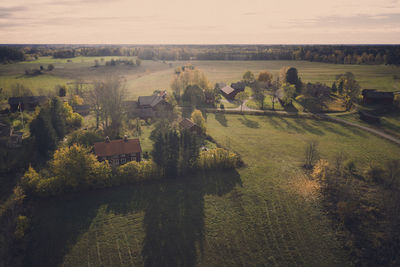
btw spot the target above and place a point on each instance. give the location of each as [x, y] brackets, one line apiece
[262, 214]
[152, 75]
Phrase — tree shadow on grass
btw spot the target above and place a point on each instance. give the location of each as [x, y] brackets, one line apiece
[328, 126]
[289, 108]
[308, 127]
[249, 123]
[274, 123]
[173, 220]
[290, 126]
[221, 118]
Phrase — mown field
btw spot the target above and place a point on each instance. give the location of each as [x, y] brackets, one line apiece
[266, 213]
[152, 75]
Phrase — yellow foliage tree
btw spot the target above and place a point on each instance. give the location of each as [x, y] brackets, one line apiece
[76, 167]
[197, 117]
[189, 77]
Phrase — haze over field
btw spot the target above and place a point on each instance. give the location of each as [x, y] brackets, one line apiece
[200, 22]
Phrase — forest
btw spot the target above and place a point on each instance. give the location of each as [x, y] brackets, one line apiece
[335, 54]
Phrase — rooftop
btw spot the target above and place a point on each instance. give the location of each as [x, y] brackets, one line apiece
[117, 147]
[152, 100]
[227, 90]
[186, 123]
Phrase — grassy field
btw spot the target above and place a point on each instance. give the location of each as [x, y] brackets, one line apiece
[152, 75]
[266, 213]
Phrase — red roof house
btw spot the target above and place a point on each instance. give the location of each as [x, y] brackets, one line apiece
[118, 152]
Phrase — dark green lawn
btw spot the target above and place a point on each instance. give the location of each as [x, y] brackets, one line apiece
[266, 213]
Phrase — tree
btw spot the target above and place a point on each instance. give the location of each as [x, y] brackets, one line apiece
[289, 91]
[58, 118]
[311, 154]
[259, 93]
[283, 74]
[292, 76]
[265, 77]
[172, 155]
[248, 77]
[349, 87]
[43, 132]
[197, 117]
[186, 77]
[242, 97]
[274, 92]
[334, 88]
[50, 67]
[106, 99]
[76, 167]
[62, 90]
[194, 95]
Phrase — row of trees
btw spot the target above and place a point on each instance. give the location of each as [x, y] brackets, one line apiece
[337, 54]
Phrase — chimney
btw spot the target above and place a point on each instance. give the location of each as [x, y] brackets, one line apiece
[107, 139]
[125, 138]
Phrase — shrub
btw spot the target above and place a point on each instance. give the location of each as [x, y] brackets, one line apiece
[217, 158]
[320, 169]
[72, 169]
[85, 138]
[50, 67]
[22, 225]
[30, 180]
[221, 106]
[133, 171]
[374, 173]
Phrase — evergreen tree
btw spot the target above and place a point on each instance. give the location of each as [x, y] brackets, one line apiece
[58, 117]
[159, 150]
[43, 132]
[172, 157]
[340, 87]
[292, 76]
[334, 88]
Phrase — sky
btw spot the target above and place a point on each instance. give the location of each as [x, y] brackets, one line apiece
[200, 22]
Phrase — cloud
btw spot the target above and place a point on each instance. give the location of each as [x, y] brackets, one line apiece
[357, 21]
[8, 12]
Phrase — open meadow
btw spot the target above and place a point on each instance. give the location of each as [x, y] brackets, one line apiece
[266, 213]
[156, 75]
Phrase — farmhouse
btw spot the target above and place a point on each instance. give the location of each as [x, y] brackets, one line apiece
[26, 102]
[82, 109]
[371, 96]
[230, 92]
[186, 124]
[148, 105]
[118, 152]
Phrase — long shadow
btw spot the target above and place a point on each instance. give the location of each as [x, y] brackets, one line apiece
[220, 117]
[289, 108]
[327, 126]
[173, 220]
[291, 126]
[308, 127]
[273, 122]
[249, 123]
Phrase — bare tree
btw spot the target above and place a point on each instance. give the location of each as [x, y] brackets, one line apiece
[106, 99]
[311, 154]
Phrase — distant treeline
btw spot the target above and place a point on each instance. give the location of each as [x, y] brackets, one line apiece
[9, 54]
[337, 54]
